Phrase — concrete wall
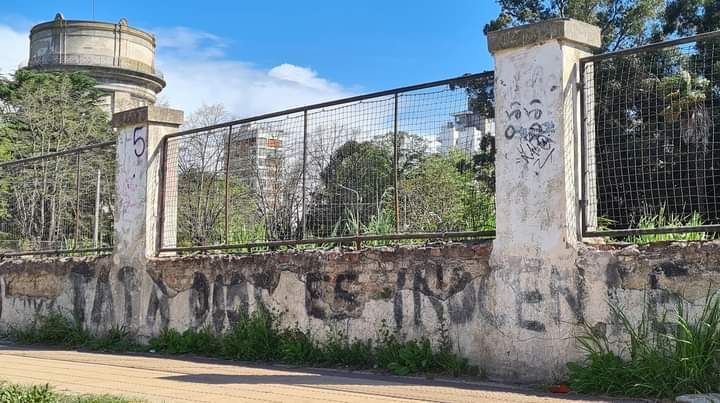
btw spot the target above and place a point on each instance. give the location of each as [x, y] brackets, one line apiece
[409, 287]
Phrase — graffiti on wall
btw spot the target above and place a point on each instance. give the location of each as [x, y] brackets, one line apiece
[528, 124]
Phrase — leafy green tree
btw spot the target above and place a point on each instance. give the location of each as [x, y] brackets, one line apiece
[655, 152]
[411, 149]
[441, 194]
[49, 112]
[688, 17]
[41, 113]
[353, 185]
[624, 23]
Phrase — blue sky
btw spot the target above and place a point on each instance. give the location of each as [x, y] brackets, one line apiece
[314, 50]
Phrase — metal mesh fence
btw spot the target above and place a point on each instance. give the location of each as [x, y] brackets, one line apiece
[417, 161]
[651, 152]
[58, 202]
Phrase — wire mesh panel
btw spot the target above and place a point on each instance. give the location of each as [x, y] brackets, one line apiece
[198, 165]
[440, 127]
[652, 151]
[265, 200]
[62, 201]
[349, 168]
[415, 161]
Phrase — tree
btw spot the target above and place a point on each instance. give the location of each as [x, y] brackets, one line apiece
[689, 17]
[49, 112]
[440, 194]
[623, 23]
[201, 178]
[42, 113]
[653, 145]
[352, 187]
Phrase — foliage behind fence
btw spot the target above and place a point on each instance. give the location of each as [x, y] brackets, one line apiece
[63, 201]
[417, 160]
[651, 152]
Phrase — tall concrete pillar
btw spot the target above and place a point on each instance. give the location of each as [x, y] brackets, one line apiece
[537, 303]
[137, 183]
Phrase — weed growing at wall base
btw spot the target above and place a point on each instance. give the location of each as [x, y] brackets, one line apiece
[259, 337]
[667, 356]
[56, 329]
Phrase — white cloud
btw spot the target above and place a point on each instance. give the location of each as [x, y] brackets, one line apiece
[198, 71]
[189, 42]
[15, 47]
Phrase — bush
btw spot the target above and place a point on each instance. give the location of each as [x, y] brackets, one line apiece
[662, 363]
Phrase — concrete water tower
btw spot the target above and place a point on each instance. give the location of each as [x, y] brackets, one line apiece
[121, 58]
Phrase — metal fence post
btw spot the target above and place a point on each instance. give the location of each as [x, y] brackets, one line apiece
[583, 152]
[161, 195]
[77, 201]
[96, 226]
[227, 183]
[304, 174]
[396, 182]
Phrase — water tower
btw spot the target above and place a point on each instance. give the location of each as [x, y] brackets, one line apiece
[121, 58]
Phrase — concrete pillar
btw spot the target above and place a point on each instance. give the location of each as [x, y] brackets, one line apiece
[139, 159]
[538, 293]
[537, 124]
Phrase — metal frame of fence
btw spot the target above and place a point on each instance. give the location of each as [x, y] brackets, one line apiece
[583, 89]
[77, 152]
[303, 112]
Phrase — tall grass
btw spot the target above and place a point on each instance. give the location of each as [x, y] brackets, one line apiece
[665, 356]
[662, 220]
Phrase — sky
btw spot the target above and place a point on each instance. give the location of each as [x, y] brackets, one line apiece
[262, 56]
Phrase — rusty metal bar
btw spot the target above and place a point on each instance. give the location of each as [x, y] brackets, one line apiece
[583, 151]
[466, 77]
[345, 239]
[652, 46]
[77, 201]
[304, 174]
[96, 224]
[54, 252]
[396, 153]
[227, 184]
[618, 233]
[57, 154]
[161, 197]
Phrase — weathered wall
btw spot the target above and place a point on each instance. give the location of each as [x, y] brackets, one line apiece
[492, 315]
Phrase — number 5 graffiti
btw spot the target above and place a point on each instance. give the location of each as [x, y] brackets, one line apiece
[138, 139]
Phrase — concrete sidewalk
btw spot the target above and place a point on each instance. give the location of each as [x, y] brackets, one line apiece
[162, 379]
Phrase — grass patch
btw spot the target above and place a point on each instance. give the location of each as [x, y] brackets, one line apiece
[55, 329]
[260, 337]
[667, 356]
[13, 393]
[660, 220]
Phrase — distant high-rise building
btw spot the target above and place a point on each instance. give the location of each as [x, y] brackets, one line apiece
[256, 155]
[465, 132]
